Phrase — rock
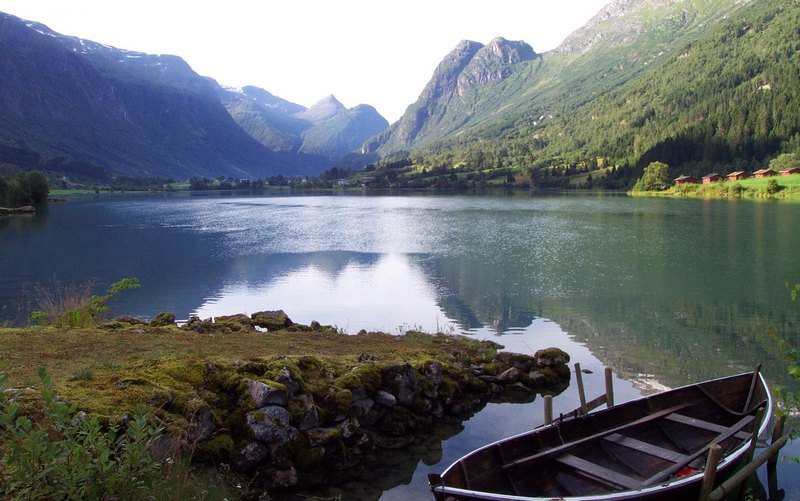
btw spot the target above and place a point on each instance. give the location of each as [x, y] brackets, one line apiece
[366, 356]
[536, 378]
[349, 427]
[310, 413]
[285, 378]
[315, 326]
[196, 325]
[359, 393]
[130, 320]
[385, 398]
[239, 318]
[361, 407]
[322, 436]
[251, 455]
[282, 478]
[434, 373]
[270, 425]
[509, 376]
[163, 320]
[402, 382]
[264, 394]
[549, 357]
[201, 425]
[517, 360]
[271, 320]
[362, 332]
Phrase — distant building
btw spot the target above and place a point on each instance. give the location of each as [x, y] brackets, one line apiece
[765, 173]
[365, 181]
[685, 180]
[789, 172]
[711, 178]
[737, 176]
[342, 182]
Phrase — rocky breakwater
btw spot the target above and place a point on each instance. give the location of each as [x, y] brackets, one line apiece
[293, 420]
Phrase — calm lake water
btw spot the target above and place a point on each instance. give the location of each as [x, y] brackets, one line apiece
[665, 292]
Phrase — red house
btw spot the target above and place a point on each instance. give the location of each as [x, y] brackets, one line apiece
[737, 176]
[789, 172]
[685, 180]
[711, 178]
[765, 173]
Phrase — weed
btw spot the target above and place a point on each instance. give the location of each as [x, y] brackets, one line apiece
[66, 454]
[74, 305]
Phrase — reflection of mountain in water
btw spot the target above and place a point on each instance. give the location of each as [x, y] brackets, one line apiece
[682, 330]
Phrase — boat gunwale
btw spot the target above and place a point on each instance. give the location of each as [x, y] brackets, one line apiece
[665, 486]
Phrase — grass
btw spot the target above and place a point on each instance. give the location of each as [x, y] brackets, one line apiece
[75, 353]
[789, 189]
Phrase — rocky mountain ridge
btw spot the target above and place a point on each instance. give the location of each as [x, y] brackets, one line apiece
[82, 108]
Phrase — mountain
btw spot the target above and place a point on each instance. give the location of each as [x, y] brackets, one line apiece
[468, 85]
[327, 131]
[88, 108]
[617, 89]
[79, 107]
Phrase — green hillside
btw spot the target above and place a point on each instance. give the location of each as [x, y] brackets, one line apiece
[699, 85]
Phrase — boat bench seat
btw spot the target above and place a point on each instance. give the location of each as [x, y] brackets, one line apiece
[704, 425]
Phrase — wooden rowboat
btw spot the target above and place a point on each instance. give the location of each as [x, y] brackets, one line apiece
[654, 447]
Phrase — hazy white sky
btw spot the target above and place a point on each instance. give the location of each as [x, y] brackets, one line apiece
[374, 52]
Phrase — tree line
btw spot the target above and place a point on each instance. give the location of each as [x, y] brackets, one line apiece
[23, 188]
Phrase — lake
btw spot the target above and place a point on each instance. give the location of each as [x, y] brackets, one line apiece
[664, 291]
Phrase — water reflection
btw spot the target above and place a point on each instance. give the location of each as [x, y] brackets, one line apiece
[351, 291]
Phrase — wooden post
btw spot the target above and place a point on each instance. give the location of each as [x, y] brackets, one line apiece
[777, 432]
[772, 462]
[754, 442]
[548, 409]
[609, 388]
[740, 476]
[581, 392]
[711, 471]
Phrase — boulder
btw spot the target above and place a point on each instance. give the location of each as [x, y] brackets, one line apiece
[251, 455]
[509, 376]
[285, 378]
[385, 398]
[309, 412]
[163, 320]
[270, 425]
[402, 382]
[271, 320]
[549, 357]
[264, 394]
[361, 407]
[517, 360]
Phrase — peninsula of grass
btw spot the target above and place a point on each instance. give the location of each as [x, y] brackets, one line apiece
[287, 406]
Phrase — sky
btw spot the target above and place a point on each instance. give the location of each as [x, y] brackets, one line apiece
[373, 52]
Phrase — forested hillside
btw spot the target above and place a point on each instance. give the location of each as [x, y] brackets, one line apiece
[729, 99]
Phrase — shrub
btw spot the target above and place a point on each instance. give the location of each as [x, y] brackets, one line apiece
[75, 306]
[65, 454]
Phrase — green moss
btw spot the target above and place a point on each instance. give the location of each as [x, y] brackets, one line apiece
[364, 375]
[333, 402]
[221, 448]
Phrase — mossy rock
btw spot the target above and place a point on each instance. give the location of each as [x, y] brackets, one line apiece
[163, 320]
[365, 375]
[220, 448]
[271, 320]
[333, 402]
[550, 357]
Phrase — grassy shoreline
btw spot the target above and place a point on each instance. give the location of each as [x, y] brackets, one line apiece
[788, 188]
